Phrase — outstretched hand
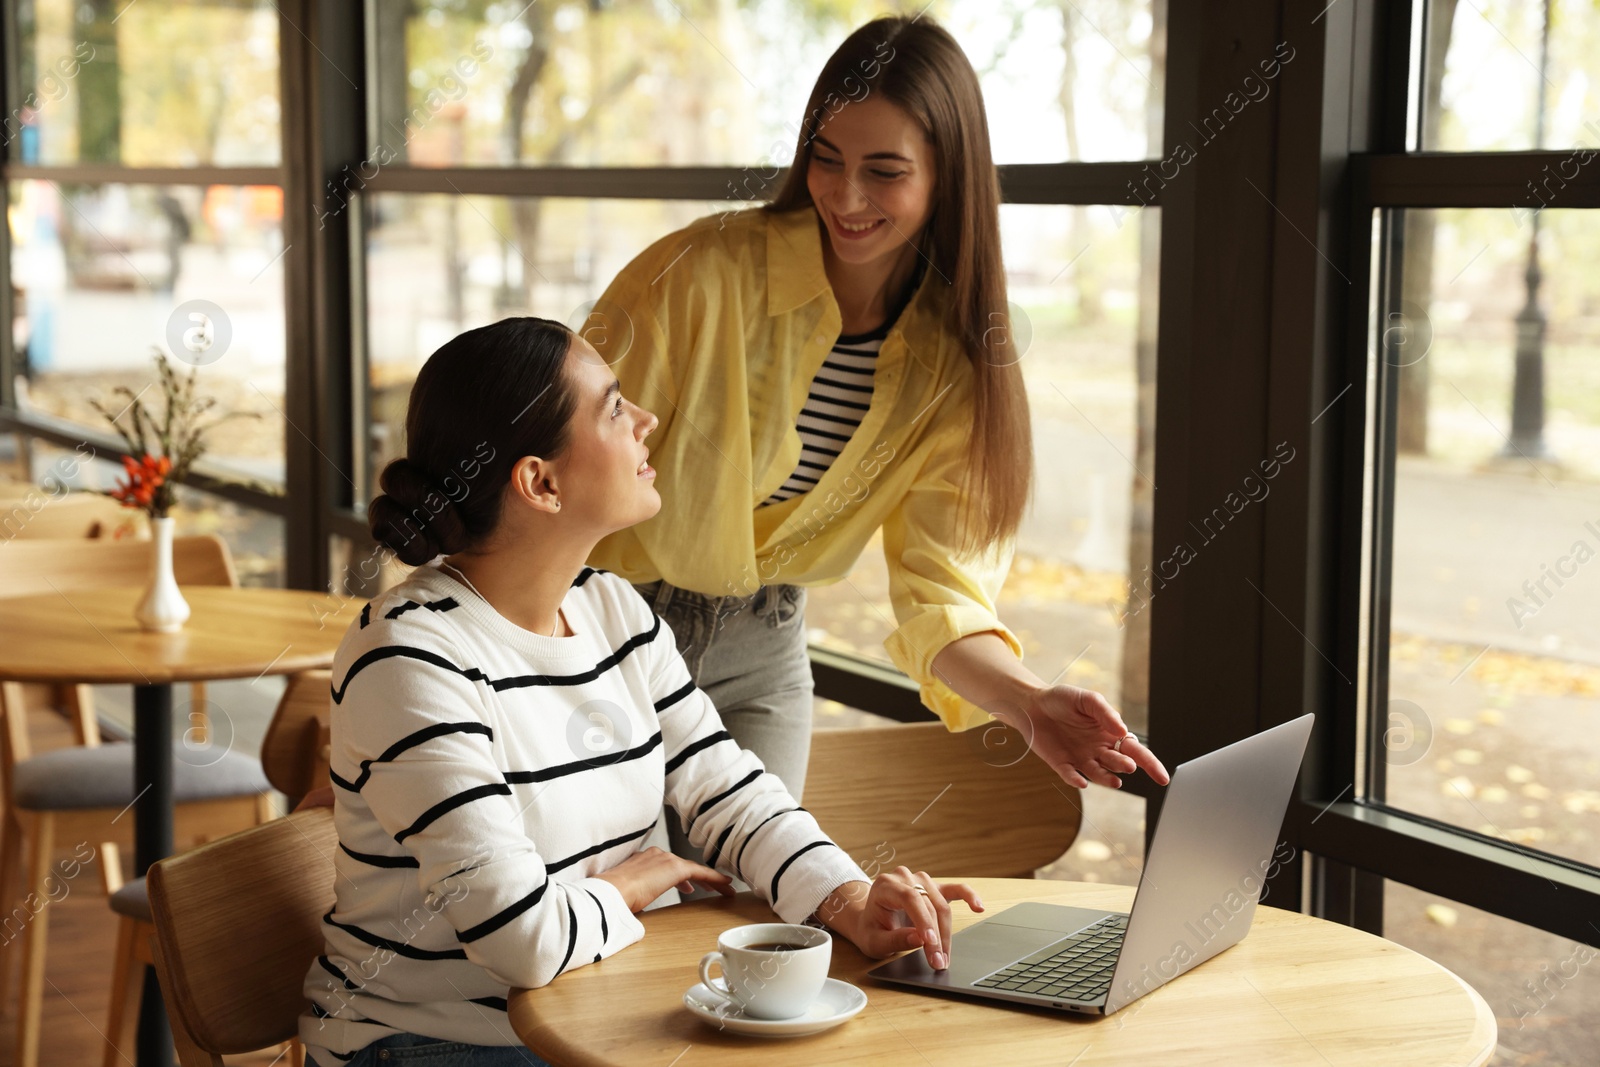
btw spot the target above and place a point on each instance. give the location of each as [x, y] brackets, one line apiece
[1075, 731]
[1083, 739]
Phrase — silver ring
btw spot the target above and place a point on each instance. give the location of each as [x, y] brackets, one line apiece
[1117, 748]
[921, 890]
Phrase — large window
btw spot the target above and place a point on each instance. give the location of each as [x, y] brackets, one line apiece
[1504, 75]
[1068, 593]
[1494, 645]
[176, 83]
[145, 212]
[472, 102]
[505, 85]
[105, 274]
[1362, 229]
[441, 263]
[1456, 804]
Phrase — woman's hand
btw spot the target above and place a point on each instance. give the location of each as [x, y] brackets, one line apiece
[902, 909]
[646, 874]
[1083, 739]
[1075, 731]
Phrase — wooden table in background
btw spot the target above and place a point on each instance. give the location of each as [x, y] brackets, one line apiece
[89, 636]
[1298, 990]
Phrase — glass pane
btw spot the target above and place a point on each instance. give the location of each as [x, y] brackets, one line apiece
[1082, 284]
[1075, 280]
[1506, 75]
[1540, 987]
[1110, 845]
[105, 274]
[499, 84]
[1493, 718]
[255, 538]
[147, 83]
[359, 570]
[438, 264]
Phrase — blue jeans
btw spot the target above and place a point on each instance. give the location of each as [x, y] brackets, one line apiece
[749, 656]
[416, 1050]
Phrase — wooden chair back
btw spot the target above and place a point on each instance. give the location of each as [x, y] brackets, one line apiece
[34, 566]
[238, 923]
[28, 511]
[293, 752]
[46, 566]
[76, 515]
[975, 804]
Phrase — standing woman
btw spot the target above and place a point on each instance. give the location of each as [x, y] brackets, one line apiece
[834, 363]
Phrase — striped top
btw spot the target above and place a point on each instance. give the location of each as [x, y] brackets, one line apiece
[835, 405]
[485, 774]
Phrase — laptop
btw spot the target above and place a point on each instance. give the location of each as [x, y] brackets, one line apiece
[1212, 850]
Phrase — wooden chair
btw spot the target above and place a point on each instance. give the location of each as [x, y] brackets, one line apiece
[238, 923]
[28, 512]
[294, 755]
[80, 792]
[38, 515]
[46, 566]
[62, 796]
[975, 804]
[294, 752]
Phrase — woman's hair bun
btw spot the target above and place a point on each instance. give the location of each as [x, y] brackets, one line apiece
[414, 517]
[470, 419]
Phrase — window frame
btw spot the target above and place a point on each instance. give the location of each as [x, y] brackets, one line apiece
[1357, 844]
[324, 53]
[1325, 152]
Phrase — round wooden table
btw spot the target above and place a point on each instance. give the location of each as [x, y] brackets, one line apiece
[90, 636]
[1297, 990]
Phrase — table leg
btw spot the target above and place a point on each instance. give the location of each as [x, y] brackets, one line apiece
[152, 778]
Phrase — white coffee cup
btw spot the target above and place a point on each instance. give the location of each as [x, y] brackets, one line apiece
[767, 982]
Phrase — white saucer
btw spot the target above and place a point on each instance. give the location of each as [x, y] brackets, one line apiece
[837, 1002]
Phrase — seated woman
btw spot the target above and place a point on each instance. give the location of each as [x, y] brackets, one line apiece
[507, 723]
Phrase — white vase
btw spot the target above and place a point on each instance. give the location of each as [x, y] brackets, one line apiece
[162, 609]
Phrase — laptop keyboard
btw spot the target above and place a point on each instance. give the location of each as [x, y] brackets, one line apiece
[1079, 968]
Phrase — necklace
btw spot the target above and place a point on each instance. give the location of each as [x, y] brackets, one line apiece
[468, 581]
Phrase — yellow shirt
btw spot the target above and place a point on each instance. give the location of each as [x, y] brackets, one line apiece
[719, 330]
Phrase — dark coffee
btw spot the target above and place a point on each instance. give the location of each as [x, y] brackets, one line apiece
[774, 946]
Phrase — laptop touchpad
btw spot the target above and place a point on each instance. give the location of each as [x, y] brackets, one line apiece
[1020, 930]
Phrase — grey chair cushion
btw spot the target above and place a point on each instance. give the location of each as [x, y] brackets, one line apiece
[75, 777]
[132, 900]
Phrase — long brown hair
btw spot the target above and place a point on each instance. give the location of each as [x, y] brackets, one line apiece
[920, 68]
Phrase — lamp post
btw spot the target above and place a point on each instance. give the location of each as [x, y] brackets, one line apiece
[1527, 384]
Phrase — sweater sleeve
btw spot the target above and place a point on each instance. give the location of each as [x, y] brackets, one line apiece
[939, 596]
[737, 813]
[412, 738]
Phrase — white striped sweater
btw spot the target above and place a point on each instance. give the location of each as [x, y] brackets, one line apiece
[485, 774]
[835, 405]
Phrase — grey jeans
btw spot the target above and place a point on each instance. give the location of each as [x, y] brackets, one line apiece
[749, 656]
